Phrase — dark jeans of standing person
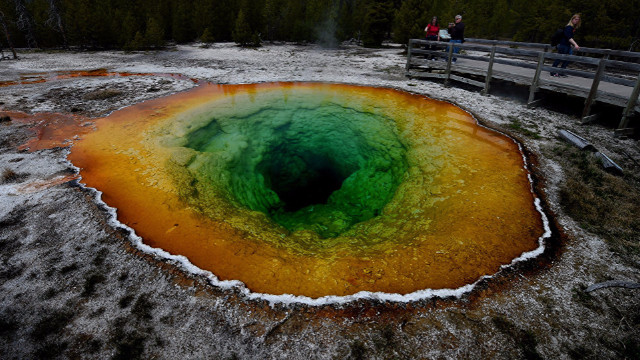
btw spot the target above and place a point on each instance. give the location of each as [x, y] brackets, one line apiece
[456, 50]
[432, 47]
[562, 49]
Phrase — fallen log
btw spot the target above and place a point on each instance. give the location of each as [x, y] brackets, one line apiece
[583, 144]
[613, 283]
[576, 140]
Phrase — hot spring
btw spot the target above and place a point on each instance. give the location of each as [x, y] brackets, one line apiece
[316, 189]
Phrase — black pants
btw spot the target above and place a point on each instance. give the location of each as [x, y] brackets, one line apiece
[431, 47]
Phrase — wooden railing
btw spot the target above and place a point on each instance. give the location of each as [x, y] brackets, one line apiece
[524, 63]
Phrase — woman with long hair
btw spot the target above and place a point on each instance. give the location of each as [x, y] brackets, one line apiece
[433, 34]
[567, 43]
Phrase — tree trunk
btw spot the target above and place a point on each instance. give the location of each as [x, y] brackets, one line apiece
[25, 24]
[55, 21]
[6, 33]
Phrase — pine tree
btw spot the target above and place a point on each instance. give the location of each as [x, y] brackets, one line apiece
[242, 32]
[182, 19]
[137, 43]
[377, 23]
[410, 21]
[207, 37]
[154, 35]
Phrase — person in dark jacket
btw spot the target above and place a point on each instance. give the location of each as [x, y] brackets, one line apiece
[567, 43]
[457, 34]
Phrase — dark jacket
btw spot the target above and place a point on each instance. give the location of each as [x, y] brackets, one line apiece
[457, 31]
[568, 34]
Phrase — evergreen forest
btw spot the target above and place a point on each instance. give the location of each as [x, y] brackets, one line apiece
[148, 24]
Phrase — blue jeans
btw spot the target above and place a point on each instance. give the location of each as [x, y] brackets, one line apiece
[456, 50]
[563, 49]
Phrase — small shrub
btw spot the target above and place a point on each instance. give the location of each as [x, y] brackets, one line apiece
[90, 284]
[143, 307]
[125, 301]
[9, 175]
[518, 126]
[51, 324]
[358, 350]
[524, 339]
[68, 268]
[102, 94]
[51, 349]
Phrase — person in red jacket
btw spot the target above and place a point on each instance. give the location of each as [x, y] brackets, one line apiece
[433, 34]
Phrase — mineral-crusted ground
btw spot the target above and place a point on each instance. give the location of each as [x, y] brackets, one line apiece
[73, 286]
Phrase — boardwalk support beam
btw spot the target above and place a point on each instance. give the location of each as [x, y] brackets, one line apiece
[630, 105]
[487, 81]
[448, 70]
[536, 80]
[594, 89]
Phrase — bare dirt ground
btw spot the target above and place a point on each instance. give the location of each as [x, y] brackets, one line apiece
[73, 286]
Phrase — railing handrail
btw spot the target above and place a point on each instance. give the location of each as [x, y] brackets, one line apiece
[548, 55]
[547, 47]
[588, 50]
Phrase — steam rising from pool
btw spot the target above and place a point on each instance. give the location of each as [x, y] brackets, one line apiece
[316, 189]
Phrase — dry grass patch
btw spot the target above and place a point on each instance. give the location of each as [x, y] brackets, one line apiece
[8, 176]
[102, 94]
[602, 203]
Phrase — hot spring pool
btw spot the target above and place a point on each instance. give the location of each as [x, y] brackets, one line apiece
[316, 189]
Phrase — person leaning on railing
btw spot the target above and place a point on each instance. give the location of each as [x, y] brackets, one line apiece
[567, 43]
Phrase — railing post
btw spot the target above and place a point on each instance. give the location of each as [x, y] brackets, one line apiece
[448, 70]
[594, 88]
[630, 105]
[408, 58]
[536, 78]
[489, 71]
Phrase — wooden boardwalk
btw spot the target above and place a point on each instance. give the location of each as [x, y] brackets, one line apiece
[596, 79]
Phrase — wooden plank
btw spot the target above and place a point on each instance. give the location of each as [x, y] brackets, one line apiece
[620, 133]
[594, 89]
[427, 75]
[621, 65]
[487, 80]
[534, 103]
[506, 43]
[620, 53]
[630, 105]
[472, 57]
[509, 51]
[580, 73]
[618, 81]
[590, 119]
[466, 80]
[574, 58]
[515, 63]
